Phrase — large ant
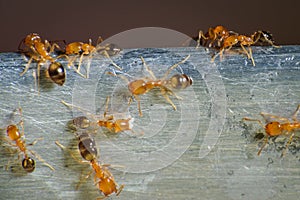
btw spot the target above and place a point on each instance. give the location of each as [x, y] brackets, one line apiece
[40, 51]
[113, 125]
[276, 128]
[142, 86]
[15, 139]
[103, 177]
[80, 49]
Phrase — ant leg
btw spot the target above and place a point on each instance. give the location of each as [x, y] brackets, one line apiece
[41, 159]
[174, 66]
[294, 116]
[254, 120]
[200, 35]
[164, 93]
[148, 68]
[27, 66]
[267, 115]
[139, 104]
[287, 145]
[264, 144]
[112, 62]
[106, 106]
[83, 179]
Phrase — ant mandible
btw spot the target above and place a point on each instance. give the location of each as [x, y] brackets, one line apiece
[40, 51]
[276, 128]
[15, 136]
[103, 177]
[113, 125]
[144, 85]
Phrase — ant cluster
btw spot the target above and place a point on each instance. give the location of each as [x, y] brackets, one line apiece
[43, 51]
[222, 39]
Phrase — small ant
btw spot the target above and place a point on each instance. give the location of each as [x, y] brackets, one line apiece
[144, 85]
[40, 51]
[276, 128]
[15, 136]
[80, 49]
[113, 125]
[103, 177]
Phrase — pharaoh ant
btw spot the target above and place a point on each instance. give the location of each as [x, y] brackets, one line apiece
[40, 51]
[103, 178]
[276, 128]
[144, 85]
[215, 35]
[80, 49]
[15, 139]
[109, 122]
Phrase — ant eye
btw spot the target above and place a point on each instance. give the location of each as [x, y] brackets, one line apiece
[28, 164]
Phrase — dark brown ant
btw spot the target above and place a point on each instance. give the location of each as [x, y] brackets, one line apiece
[40, 51]
[276, 128]
[15, 139]
[142, 86]
[262, 38]
[103, 178]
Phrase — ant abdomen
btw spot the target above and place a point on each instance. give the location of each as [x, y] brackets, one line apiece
[28, 164]
[87, 147]
[180, 81]
[57, 73]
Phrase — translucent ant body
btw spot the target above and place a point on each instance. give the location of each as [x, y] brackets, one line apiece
[103, 177]
[276, 128]
[15, 136]
[40, 51]
[109, 122]
[144, 85]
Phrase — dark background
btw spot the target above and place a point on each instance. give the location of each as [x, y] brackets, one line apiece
[81, 20]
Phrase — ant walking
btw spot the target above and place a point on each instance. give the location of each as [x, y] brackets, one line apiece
[103, 178]
[144, 85]
[15, 139]
[40, 51]
[278, 126]
[108, 121]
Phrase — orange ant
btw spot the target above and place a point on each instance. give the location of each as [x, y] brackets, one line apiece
[276, 128]
[142, 86]
[83, 49]
[113, 125]
[40, 51]
[218, 33]
[15, 136]
[103, 177]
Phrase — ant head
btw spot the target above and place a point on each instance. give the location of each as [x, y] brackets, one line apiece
[107, 186]
[221, 31]
[32, 39]
[13, 132]
[57, 73]
[273, 128]
[28, 164]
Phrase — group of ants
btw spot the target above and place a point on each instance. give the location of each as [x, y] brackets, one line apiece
[41, 51]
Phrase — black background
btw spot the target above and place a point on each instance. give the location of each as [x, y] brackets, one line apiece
[81, 20]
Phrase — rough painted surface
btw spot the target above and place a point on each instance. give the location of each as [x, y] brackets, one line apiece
[202, 149]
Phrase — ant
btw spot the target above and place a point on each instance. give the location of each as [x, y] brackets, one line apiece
[276, 128]
[15, 139]
[144, 85]
[103, 177]
[80, 49]
[216, 34]
[40, 51]
[113, 125]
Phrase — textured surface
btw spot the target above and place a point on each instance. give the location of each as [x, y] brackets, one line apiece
[202, 149]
